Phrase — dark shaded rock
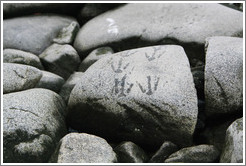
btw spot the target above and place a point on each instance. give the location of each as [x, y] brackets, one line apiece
[62, 60]
[195, 154]
[33, 122]
[198, 76]
[50, 81]
[83, 148]
[21, 57]
[18, 77]
[128, 152]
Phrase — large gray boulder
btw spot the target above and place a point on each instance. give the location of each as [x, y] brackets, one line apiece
[195, 154]
[233, 148]
[32, 33]
[143, 24]
[17, 77]
[140, 95]
[33, 122]
[62, 60]
[83, 148]
[224, 75]
[21, 57]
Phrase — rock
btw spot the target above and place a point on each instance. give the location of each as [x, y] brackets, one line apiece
[224, 75]
[142, 24]
[21, 57]
[62, 60]
[69, 85]
[18, 77]
[33, 122]
[32, 33]
[233, 149]
[50, 81]
[83, 148]
[128, 152]
[67, 34]
[141, 95]
[19, 9]
[166, 149]
[194, 154]
[198, 76]
[94, 56]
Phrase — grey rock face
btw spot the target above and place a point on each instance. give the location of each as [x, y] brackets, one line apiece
[141, 95]
[94, 56]
[195, 154]
[67, 34]
[62, 60]
[69, 85]
[224, 75]
[83, 148]
[17, 77]
[50, 81]
[166, 149]
[33, 122]
[233, 149]
[137, 25]
[32, 33]
[128, 152]
[21, 57]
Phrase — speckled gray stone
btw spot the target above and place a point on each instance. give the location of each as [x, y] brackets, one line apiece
[128, 152]
[143, 24]
[83, 148]
[32, 33]
[224, 75]
[141, 95]
[94, 56]
[21, 57]
[69, 85]
[33, 122]
[233, 148]
[194, 154]
[62, 60]
[50, 81]
[17, 77]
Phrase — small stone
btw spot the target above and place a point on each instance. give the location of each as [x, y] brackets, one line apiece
[166, 149]
[128, 152]
[18, 77]
[50, 81]
[21, 57]
[94, 56]
[67, 34]
[233, 147]
[83, 148]
[195, 154]
[62, 60]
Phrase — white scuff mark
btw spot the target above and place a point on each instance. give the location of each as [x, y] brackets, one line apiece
[112, 27]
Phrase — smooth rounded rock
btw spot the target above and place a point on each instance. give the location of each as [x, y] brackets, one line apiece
[33, 123]
[83, 148]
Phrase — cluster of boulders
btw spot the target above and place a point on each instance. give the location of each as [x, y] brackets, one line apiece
[126, 83]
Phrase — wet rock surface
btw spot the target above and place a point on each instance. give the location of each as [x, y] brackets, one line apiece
[122, 83]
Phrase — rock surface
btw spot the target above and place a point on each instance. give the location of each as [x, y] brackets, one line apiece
[233, 149]
[94, 56]
[50, 81]
[17, 77]
[139, 95]
[83, 148]
[33, 122]
[21, 57]
[144, 24]
[166, 149]
[128, 152]
[195, 154]
[32, 33]
[62, 60]
[224, 75]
